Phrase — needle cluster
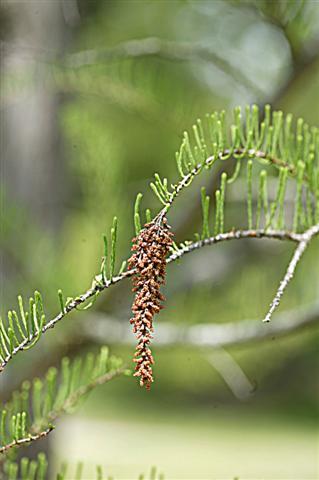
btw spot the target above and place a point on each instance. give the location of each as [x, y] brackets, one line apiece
[150, 249]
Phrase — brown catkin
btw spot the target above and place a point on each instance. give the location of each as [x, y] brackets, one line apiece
[150, 249]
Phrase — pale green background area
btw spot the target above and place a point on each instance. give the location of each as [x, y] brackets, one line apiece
[193, 445]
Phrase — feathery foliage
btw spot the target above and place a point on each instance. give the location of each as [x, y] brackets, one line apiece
[36, 470]
[26, 469]
[275, 147]
[22, 328]
[28, 416]
[290, 150]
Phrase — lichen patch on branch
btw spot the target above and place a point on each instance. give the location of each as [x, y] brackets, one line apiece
[150, 249]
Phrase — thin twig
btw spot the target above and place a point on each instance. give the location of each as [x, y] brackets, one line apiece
[303, 244]
[151, 46]
[235, 235]
[25, 441]
[36, 430]
[210, 335]
[167, 49]
[251, 153]
[84, 390]
[99, 287]
[231, 372]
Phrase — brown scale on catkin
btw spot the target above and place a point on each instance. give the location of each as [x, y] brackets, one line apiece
[150, 249]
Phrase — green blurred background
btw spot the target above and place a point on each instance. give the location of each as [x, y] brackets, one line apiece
[95, 96]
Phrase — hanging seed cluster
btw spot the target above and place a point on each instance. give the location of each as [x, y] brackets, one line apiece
[150, 249]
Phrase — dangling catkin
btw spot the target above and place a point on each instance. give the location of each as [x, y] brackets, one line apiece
[150, 249]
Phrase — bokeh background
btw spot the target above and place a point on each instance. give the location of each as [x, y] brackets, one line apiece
[95, 95]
